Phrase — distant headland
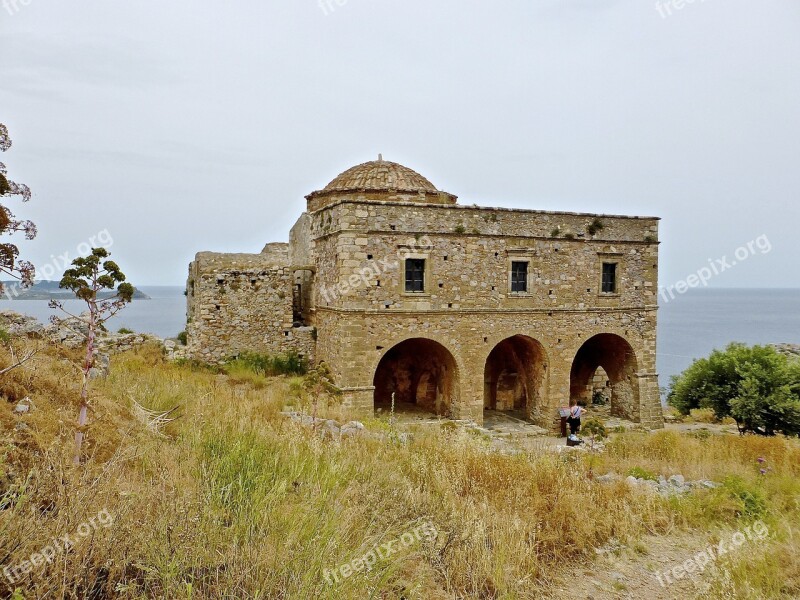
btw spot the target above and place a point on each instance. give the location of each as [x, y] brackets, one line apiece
[49, 290]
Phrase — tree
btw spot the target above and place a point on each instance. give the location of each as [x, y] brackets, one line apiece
[88, 276]
[9, 224]
[756, 385]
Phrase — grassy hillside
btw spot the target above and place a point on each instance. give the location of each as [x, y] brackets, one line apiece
[234, 500]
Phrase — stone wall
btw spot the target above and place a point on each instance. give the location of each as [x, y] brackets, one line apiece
[360, 249]
[243, 302]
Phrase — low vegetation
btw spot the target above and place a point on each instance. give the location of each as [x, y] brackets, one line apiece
[755, 385]
[233, 500]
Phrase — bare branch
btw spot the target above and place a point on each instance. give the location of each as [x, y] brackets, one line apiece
[18, 362]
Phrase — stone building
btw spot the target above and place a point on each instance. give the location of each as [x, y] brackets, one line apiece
[454, 309]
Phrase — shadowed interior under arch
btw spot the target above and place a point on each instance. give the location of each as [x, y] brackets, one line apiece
[616, 356]
[515, 376]
[420, 372]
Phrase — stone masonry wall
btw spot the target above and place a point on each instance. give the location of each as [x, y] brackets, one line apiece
[353, 344]
[242, 302]
[362, 309]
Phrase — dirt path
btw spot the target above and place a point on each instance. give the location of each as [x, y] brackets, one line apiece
[632, 572]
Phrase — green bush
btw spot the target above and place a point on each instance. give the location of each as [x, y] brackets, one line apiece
[753, 503]
[290, 363]
[756, 385]
[594, 227]
[5, 337]
[125, 330]
[641, 473]
[594, 428]
[183, 338]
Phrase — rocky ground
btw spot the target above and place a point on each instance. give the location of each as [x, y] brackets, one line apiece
[71, 332]
[791, 350]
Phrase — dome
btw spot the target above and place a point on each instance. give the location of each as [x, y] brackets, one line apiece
[380, 175]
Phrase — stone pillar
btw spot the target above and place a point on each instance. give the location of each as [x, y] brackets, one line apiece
[359, 401]
[651, 413]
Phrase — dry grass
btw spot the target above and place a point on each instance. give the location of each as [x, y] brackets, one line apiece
[235, 501]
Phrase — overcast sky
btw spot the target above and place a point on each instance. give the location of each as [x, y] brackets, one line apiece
[185, 126]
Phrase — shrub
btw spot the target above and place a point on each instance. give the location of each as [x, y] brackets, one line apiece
[753, 503]
[290, 363]
[5, 337]
[125, 330]
[599, 398]
[757, 386]
[594, 428]
[595, 226]
[641, 473]
[183, 338]
[459, 229]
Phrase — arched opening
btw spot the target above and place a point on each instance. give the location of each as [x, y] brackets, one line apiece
[606, 364]
[421, 373]
[515, 377]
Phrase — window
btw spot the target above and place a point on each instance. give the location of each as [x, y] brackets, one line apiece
[519, 276]
[415, 275]
[609, 284]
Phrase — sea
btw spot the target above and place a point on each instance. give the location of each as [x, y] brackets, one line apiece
[690, 326]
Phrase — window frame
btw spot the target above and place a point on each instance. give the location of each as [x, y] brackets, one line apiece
[514, 277]
[609, 259]
[521, 255]
[421, 280]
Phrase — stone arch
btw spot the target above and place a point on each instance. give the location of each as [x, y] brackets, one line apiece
[515, 377]
[420, 372]
[615, 355]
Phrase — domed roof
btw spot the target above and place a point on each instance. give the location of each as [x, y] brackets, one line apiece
[380, 175]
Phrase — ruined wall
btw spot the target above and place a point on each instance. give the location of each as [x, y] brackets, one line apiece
[243, 302]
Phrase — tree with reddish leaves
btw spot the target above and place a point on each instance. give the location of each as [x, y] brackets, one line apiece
[88, 277]
[9, 224]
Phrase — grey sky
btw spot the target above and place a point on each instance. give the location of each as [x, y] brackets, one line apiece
[184, 126]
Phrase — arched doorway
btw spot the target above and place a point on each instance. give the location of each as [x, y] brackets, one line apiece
[515, 377]
[421, 373]
[611, 357]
